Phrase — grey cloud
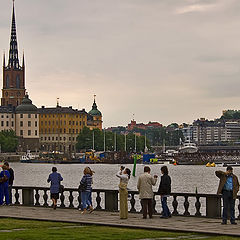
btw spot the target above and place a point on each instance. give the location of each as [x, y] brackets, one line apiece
[136, 55]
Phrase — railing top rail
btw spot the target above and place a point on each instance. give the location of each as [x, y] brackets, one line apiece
[130, 191]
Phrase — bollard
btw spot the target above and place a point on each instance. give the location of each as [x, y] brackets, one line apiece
[111, 200]
[28, 196]
[213, 206]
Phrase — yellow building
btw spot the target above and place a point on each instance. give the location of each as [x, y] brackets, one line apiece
[59, 128]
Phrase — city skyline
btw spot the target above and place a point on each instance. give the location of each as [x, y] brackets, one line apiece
[173, 61]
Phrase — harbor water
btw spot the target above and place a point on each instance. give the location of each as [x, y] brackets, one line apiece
[185, 178]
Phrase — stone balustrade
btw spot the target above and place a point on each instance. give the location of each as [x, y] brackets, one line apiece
[182, 204]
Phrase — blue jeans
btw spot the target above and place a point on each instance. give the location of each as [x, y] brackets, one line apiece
[4, 193]
[85, 199]
[228, 202]
[166, 212]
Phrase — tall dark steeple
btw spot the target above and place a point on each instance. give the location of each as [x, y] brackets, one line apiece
[13, 91]
[13, 51]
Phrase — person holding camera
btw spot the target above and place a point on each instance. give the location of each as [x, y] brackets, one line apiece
[144, 186]
[228, 187]
[124, 175]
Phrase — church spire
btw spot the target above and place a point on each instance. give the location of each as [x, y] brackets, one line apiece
[23, 61]
[13, 61]
[4, 65]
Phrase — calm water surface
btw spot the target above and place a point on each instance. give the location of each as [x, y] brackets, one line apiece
[184, 178]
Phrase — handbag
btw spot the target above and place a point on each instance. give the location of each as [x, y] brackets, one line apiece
[82, 187]
[61, 188]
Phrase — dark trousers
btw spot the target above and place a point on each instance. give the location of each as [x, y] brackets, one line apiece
[10, 193]
[4, 193]
[147, 207]
[228, 202]
[166, 212]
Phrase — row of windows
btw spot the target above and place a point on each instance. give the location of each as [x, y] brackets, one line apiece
[29, 123]
[63, 123]
[29, 132]
[7, 124]
[56, 138]
[29, 115]
[61, 115]
[60, 130]
[7, 116]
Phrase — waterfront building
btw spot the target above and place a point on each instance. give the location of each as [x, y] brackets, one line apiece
[50, 129]
[212, 132]
[13, 90]
[27, 125]
[7, 118]
[187, 133]
[59, 127]
[94, 119]
[232, 131]
[134, 125]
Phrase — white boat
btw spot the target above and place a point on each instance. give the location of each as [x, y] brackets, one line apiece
[188, 147]
[28, 156]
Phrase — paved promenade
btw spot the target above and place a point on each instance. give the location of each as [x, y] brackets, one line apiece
[185, 224]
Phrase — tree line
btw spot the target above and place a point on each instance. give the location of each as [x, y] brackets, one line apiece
[94, 139]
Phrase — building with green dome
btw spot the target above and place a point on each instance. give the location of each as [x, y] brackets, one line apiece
[94, 117]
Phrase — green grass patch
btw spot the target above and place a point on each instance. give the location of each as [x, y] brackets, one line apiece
[30, 230]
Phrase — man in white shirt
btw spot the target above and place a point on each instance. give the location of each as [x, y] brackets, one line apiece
[144, 186]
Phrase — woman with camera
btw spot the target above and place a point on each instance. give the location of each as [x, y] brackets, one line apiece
[124, 175]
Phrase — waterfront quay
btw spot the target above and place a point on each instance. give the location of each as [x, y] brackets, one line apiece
[206, 226]
[198, 213]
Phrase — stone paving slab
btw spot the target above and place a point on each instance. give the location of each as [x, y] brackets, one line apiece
[181, 224]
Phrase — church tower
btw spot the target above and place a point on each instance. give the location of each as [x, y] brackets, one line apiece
[13, 91]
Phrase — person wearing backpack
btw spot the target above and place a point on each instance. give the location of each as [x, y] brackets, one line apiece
[55, 178]
[4, 193]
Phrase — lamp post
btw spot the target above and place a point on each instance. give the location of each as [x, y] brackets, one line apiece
[135, 148]
[125, 145]
[104, 140]
[145, 148]
[115, 142]
[93, 140]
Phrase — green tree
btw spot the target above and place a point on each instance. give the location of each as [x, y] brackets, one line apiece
[8, 141]
[85, 141]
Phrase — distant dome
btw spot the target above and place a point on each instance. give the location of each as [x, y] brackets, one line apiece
[26, 106]
[95, 111]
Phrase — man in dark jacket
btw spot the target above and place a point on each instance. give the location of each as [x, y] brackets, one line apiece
[228, 187]
[164, 190]
[10, 181]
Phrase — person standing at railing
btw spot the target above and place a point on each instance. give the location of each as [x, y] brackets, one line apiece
[90, 195]
[144, 186]
[4, 178]
[164, 190]
[55, 178]
[10, 181]
[228, 187]
[124, 175]
[86, 190]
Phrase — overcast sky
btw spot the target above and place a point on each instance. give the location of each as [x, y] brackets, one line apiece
[162, 60]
